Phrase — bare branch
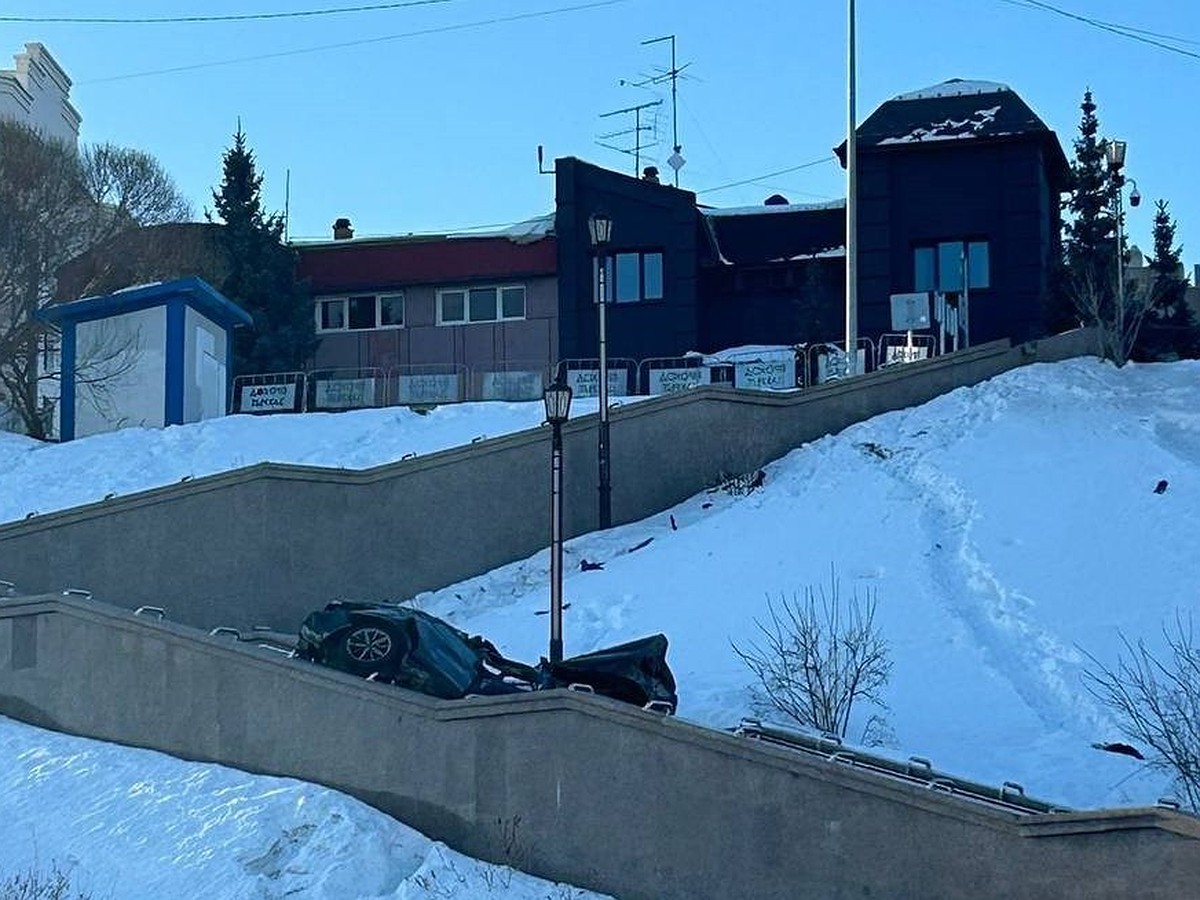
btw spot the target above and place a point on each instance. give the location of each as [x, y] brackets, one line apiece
[1157, 703]
[818, 655]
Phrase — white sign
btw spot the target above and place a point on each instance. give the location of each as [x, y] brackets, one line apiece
[832, 364]
[345, 393]
[668, 381]
[765, 375]
[586, 382]
[512, 385]
[910, 311]
[901, 353]
[429, 388]
[268, 398]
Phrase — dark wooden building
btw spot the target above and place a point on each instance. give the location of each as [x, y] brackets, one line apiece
[959, 189]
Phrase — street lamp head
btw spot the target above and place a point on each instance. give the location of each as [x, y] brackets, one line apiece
[557, 398]
[1135, 196]
[600, 228]
[1115, 152]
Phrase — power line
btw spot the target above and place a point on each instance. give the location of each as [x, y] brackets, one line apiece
[732, 184]
[441, 29]
[239, 17]
[1141, 35]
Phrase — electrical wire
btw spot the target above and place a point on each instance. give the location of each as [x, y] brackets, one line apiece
[441, 29]
[1151, 38]
[234, 17]
[733, 184]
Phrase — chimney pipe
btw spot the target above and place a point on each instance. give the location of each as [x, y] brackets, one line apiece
[342, 230]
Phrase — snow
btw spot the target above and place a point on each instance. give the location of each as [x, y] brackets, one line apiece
[774, 208]
[127, 824]
[749, 353]
[69, 476]
[955, 87]
[1007, 530]
[950, 129]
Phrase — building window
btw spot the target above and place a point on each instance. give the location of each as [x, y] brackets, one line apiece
[461, 306]
[635, 276]
[360, 312]
[940, 267]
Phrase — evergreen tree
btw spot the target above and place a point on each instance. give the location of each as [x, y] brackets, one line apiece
[1170, 330]
[261, 271]
[1089, 253]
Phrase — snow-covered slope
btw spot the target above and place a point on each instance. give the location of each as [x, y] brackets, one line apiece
[1005, 529]
[126, 824]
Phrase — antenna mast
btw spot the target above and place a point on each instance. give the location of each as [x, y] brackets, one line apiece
[287, 203]
[676, 160]
[636, 131]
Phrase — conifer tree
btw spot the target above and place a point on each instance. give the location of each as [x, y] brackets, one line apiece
[1089, 253]
[262, 275]
[1170, 330]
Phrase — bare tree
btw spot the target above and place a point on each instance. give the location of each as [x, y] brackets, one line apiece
[129, 189]
[1118, 317]
[818, 655]
[57, 204]
[1157, 703]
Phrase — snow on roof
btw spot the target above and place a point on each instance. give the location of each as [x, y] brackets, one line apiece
[747, 353]
[779, 208]
[950, 129]
[524, 232]
[955, 87]
[831, 253]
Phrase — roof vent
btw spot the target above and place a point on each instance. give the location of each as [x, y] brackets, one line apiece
[342, 230]
[776, 200]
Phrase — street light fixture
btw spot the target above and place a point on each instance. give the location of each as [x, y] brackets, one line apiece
[557, 398]
[1115, 155]
[1115, 152]
[600, 229]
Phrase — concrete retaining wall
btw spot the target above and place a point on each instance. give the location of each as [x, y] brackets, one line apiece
[269, 543]
[568, 786]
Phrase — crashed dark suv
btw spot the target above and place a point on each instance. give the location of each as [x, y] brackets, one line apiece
[412, 649]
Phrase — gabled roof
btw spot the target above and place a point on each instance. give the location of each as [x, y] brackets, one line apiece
[767, 234]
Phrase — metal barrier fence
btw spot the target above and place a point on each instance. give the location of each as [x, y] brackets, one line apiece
[331, 390]
[522, 380]
[274, 393]
[583, 375]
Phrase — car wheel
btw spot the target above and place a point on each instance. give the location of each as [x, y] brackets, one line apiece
[371, 647]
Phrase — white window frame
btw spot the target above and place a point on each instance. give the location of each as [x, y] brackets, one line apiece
[466, 295]
[344, 299]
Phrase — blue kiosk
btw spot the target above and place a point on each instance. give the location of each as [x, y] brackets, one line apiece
[146, 356]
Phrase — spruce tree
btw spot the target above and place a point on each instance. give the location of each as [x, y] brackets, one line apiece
[1170, 330]
[1089, 253]
[261, 272]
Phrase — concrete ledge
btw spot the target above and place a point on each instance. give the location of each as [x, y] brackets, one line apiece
[269, 543]
[566, 785]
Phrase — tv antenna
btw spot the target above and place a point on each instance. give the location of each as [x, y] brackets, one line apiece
[636, 150]
[675, 160]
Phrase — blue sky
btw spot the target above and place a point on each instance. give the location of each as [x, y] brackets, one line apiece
[438, 131]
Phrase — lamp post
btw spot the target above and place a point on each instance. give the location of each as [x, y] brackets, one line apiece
[557, 398]
[851, 198]
[600, 228]
[1115, 155]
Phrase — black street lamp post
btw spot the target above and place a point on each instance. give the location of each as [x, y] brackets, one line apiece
[1115, 155]
[600, 228]
[557, 398]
